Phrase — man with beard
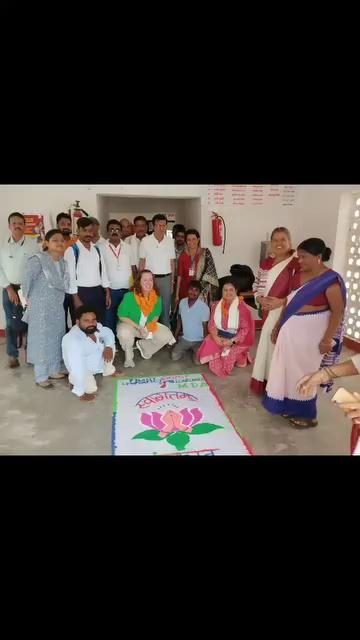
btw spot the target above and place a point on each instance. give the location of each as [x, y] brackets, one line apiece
[88, 349]
[178, 233]
[120, 267]
[64, 224]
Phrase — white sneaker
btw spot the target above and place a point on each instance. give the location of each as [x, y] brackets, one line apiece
[129, 363]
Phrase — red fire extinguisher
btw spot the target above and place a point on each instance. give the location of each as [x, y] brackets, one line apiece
[76, 214]
[217, 224]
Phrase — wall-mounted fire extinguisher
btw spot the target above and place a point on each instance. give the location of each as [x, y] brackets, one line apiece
[76, 214]
[217, 224]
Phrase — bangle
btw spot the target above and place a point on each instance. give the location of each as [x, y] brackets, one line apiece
[330, 373]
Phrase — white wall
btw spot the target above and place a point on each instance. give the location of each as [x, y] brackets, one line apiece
[314, 214]
[191, 214]
[51, 199]
[120, 207]
[345, 220]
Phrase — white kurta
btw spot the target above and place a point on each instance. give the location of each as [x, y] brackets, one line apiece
[82, 356]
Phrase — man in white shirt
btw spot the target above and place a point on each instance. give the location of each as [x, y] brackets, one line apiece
[157, 253]
[98, 240]
[88, 349]
[89, 283]
[120, 267]
[127, 228]
[64, 224]
[14, 252]
[141, 229]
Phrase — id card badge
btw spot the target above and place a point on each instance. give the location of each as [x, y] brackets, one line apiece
[191, 272]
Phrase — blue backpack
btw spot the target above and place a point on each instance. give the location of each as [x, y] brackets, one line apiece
[76, 251]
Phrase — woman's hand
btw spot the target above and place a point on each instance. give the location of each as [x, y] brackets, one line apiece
[259, 299]
[226, 342]
[308, 383]
[325, 346]
[269, 303]
[143, 332]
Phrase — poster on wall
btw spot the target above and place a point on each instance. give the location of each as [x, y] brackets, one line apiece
[34, 225]
[238, 195]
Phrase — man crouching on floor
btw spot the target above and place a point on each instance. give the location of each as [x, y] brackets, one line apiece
[88, 349]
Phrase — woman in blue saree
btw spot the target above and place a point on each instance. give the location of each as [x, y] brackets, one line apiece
[308, 334]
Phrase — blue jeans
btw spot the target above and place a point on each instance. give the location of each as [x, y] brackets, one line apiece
[111, 314]
[11, 335]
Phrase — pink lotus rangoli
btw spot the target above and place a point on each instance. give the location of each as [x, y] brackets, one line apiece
[175, 426]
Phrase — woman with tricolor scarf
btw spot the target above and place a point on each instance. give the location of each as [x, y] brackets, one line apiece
[272, 286]
[231, 333]
[308, 334]
[138, 315]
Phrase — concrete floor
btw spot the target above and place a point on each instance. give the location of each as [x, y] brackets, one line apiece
[36, 421]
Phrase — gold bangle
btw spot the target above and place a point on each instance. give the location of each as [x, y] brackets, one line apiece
[330, 373]
[333, 375]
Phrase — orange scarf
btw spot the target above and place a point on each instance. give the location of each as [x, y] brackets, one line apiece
[146, 305]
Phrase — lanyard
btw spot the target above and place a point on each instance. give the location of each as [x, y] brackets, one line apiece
[193, 259]
[114, 252]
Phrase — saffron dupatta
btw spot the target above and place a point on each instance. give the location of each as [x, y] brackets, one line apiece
[146, 305]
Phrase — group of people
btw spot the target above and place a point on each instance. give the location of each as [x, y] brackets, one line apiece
[145, 291]
[302, 304]
[133, 289]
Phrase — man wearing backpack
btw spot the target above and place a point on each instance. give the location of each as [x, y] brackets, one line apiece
[89, 282]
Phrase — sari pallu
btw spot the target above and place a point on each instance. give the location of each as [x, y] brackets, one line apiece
[207, 276]
[278, 285]
[297, 351]
[223, 359]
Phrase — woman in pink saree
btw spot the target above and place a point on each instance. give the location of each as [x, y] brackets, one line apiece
[231, 333]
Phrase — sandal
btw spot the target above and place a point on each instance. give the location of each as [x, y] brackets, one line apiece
[300, 423]
[58, 376]
[45, 385]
